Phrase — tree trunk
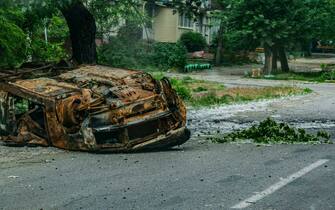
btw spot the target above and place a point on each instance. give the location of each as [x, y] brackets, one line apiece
[219, 49]
[283, 59]
[82, 29]
[268, 60]
[274, 50]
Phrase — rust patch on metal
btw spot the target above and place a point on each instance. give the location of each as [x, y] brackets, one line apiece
[91, 108]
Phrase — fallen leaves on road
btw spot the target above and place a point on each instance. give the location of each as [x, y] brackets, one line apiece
[269, 131]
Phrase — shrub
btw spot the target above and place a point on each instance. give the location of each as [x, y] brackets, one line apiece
[169, 55]
[193, 41]
[130, 33]
[328, 75]
[13, 44]
[54, 50]
[200, 89]
[116, 54]
[123, 53]
[51, 52]
[182, 90]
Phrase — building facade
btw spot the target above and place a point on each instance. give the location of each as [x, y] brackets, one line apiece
[168, 25]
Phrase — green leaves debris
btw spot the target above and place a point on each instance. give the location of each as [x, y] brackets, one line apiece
[269, 131]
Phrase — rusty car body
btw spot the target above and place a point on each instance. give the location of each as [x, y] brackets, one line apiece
[91, 108]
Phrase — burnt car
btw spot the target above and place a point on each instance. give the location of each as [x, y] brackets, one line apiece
[91, 108]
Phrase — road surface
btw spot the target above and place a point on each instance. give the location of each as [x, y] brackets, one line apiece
[198, 175]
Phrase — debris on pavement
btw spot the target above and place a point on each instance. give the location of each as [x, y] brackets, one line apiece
[270, 131]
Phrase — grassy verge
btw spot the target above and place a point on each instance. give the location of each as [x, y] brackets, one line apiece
[199, 93]
[328, 76]
[271, 132]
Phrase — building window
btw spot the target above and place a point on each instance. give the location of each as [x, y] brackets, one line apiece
[185, 21]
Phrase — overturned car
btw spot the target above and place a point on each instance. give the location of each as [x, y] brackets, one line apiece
[91, 108]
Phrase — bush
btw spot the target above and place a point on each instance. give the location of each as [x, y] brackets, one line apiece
[130, 33]
[182, 90]
[13, 44]
[119, 53]
[115, 54]
[54, 50]
[328, 75]
[51, 52]
[169, 55]
[16, 48]
[193, 41]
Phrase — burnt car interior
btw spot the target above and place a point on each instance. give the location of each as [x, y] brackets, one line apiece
[25, 122]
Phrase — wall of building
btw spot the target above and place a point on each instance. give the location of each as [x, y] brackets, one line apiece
[168, 27]
[165, 25]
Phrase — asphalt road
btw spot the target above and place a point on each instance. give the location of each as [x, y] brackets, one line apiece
[199, 175]
[196, 176]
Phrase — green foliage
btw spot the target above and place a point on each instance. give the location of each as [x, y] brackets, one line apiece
[120, 53]
[321, 19]
[290, 23]
[130, 33]
[158, 75]
[114, 13]
[269, 131]
[323, 76]
[193, 41]
[21, 106]
[179, 85]
[200, 89]
[19, 40]
[53, 51]
[182, 90]
[169, 55]
[328, 75]
[308, 90]
[57, 29]
[198, 93]
[212, 99]
[271, 21]
[13, 44]
[192, 8]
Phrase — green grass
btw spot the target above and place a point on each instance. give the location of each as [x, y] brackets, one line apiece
[200, 89]
[271, 132]
[328, 76]
[199, 93]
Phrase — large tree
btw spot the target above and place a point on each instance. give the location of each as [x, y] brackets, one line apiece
[82, 17]
[273, 24]
[82, 28]
[279, 24]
